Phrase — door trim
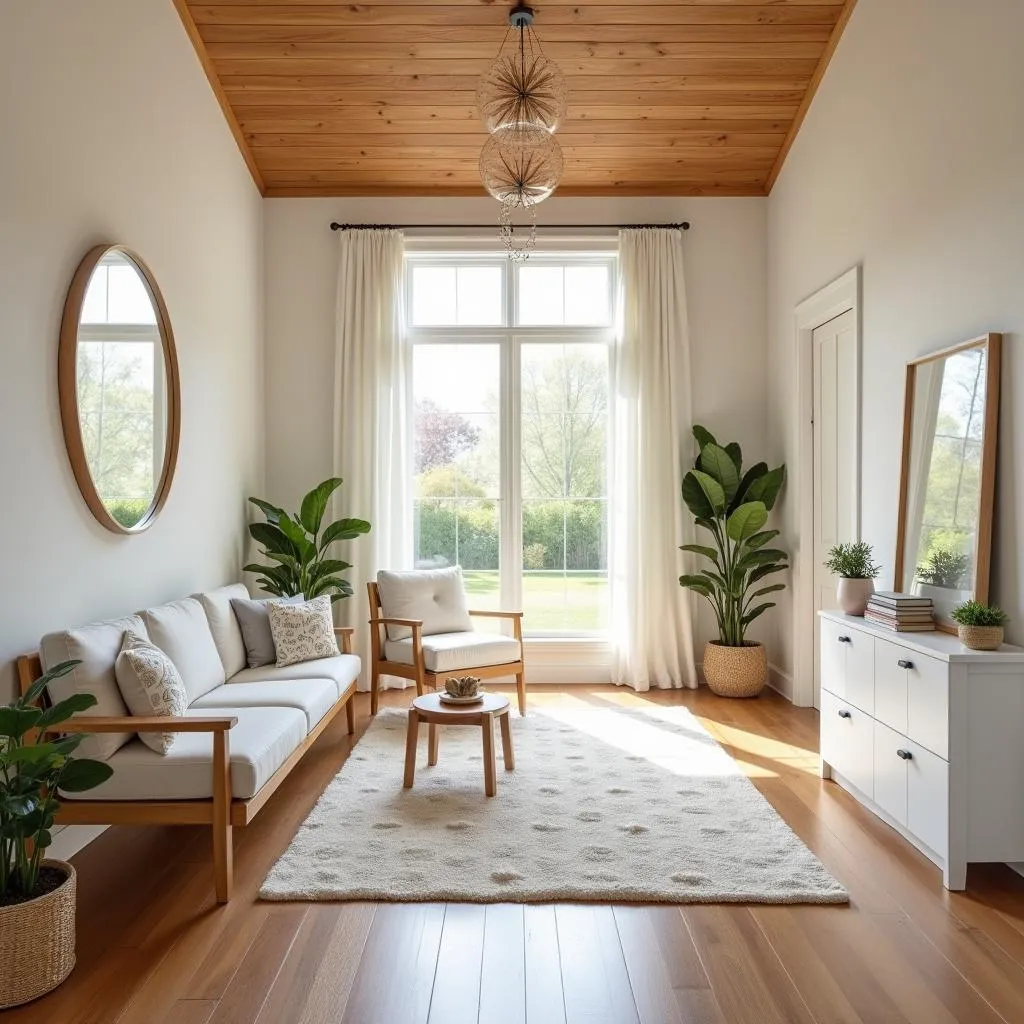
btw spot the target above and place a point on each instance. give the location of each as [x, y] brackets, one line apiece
[841, 296]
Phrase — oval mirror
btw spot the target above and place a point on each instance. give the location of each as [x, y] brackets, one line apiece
[119, 393]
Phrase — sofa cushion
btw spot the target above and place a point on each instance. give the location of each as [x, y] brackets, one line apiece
[224, 625]
[303, 632]
[151, 686]
[434, 596]
[254, 622]
[97, 647]
[313, 697]
[180, 629]
[259, 744]
[343, 670]
[450, 652]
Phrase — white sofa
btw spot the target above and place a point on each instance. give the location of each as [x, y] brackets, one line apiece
[245, 728]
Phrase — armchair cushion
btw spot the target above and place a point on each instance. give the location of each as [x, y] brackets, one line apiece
[434, 596]
[180, 629]
[452, 652]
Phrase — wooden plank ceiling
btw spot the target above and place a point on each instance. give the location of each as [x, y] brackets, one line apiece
[336, 98]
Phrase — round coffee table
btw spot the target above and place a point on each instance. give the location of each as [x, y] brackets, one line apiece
[431, 710]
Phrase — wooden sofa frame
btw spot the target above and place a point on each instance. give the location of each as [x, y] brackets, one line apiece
[417, 671]
[221, 812]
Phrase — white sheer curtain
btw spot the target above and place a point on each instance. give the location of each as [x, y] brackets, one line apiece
[371, 432]
[651, 613]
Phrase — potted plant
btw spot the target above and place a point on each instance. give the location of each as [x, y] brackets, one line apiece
[299, 544]
[980, 626]
[37, 896]
[857, 573]
[943, 569]
[733, 507]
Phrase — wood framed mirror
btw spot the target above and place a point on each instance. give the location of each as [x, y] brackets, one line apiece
[117, 378]
[947, 482]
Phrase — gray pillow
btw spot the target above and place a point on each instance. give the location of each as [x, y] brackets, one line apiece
[254, 622]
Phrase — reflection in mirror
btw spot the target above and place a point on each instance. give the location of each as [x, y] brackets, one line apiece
[947, 490]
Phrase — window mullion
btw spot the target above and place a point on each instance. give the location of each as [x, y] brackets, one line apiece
[511, 483]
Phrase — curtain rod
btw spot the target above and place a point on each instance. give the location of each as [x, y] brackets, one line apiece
[681, 226]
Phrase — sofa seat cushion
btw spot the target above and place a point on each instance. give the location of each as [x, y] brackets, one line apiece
[450, 652]
[259, 744]
[224, 625]
[434, 596]
[343, 670]
[181, 630]
[96, 646]
[313, 697]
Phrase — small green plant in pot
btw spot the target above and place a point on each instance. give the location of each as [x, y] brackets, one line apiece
[853, 564]
[980, 626]
[733, 506]
[37, 896]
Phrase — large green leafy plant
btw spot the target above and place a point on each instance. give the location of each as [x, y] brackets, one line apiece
[299, 543]
[733, 507]
[33, 769]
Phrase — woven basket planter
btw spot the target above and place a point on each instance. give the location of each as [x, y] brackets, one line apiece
[735, 671]
[981, 638]
[37, 942]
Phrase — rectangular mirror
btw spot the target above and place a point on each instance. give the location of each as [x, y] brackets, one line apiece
[947, 483]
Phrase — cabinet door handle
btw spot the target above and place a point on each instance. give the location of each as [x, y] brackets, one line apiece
[903, 663]
[844, 639]
[845, 714]
[905, 754]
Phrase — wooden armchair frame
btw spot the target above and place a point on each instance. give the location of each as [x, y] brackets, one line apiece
[220, 811]
[417, 671]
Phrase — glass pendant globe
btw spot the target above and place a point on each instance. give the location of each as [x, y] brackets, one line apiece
[522, 88]
[521, 165]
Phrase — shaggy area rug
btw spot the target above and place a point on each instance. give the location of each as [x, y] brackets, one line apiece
[609, 805]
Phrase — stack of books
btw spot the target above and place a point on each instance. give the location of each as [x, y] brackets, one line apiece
[902, 613]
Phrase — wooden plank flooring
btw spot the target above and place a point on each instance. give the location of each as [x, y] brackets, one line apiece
[154, 947]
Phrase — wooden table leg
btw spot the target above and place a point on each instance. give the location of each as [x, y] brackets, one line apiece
[410, 747]
[490, 767]
[432, 744]
[506, 742]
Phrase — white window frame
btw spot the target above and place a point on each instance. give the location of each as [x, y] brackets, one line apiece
[510, 337]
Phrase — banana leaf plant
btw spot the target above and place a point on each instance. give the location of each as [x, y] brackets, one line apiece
[733, 507]
[299, 543]
[33, 769]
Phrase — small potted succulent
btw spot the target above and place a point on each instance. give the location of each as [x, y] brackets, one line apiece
[857, 573]
[980, 626]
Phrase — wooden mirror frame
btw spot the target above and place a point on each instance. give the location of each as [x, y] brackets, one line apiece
[992, 344]
[67, 389]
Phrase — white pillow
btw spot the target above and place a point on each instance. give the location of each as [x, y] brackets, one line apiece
[435, 596]
[182, 631]
[302, 632]
[150, 685]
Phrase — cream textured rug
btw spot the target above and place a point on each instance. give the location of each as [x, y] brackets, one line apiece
[604, 804]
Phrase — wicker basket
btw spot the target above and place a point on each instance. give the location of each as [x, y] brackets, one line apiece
[981, 638]
[735, 671]
[37, 942]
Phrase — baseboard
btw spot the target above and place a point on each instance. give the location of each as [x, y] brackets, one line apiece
[781, 682]
[70, 839]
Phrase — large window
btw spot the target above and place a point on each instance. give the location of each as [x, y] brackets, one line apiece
[511, 395]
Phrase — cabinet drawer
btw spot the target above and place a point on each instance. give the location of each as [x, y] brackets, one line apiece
[891, 684]
[928, 798]
[833, 657]
[847, 741]
[928, 704]
[891, 772]
[860, 670]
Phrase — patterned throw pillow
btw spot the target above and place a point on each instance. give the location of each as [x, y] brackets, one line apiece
[150, 685]
[303, 632]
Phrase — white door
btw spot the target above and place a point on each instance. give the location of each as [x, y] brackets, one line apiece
[834, 347]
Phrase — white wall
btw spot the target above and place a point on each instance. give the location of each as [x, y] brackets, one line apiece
[911, 161]
[110, 133]
[726, 288]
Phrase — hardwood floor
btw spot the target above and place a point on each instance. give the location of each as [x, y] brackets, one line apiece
[153, 946]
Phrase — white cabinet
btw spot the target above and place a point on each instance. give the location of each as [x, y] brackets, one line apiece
[915, 726]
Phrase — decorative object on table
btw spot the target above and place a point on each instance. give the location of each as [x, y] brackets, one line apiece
[733, 507]
[853, 564]
[299, 545]
[521, 101]
[902, 613]
[463, 686]
[948, 476]
[980, 626]
[37, 896]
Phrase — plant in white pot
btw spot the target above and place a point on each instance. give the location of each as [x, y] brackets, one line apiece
[733, 507]
[980, 626]
[857, 574]
[37, 896]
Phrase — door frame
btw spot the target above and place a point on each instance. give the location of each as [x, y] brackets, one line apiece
[843, 295]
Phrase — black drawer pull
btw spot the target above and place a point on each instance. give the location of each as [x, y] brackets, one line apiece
[845, 714]
[905, 754]
[844, 640]
[903, 663]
